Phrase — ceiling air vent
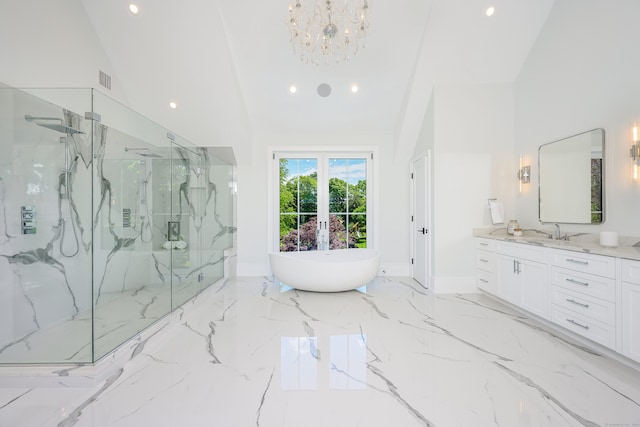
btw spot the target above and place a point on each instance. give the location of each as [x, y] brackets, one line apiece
[104, 80]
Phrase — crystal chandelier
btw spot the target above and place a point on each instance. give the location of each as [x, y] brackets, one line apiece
[330, 31]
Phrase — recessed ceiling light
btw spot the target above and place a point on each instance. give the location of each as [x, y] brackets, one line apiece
[490, 11]
[133, 8]
[354, 88]
[293, 89]
[173, 105]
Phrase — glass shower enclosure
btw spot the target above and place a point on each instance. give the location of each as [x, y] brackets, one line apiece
[108, 222]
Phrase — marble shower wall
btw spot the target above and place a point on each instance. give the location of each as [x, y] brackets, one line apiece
[114, 214]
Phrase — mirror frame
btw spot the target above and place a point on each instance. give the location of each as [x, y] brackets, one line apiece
[602, 179]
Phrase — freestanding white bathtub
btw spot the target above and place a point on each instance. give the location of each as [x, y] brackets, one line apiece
[325, 271]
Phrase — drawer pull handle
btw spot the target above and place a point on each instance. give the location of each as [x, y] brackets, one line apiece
[577, 324]
[484, 244]
[577, 261]
[577, 282]
[484, 260]
[484, 281]
[577, 303]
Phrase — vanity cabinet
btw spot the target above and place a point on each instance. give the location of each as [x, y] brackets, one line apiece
[486, 265]
[583, 296]
[630, 272]
[523, 276]
[594, 296]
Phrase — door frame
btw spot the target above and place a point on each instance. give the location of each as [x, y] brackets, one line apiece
[427, 220]
[273, 187]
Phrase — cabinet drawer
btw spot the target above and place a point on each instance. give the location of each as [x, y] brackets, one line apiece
[522, 251]
[595, 286]
[486, 261]
[486, 281]
[589, 328]
[630, 271]
[592, 308]
[485, 244]
[586, 263]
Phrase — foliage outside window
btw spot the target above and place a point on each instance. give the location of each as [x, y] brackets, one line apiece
[299, 207]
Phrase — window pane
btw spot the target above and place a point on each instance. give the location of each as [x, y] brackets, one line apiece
[337, 231]
[357, 230]
[348, 202]
[298, 204]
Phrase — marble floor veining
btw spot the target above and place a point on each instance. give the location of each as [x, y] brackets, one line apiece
[250, 352]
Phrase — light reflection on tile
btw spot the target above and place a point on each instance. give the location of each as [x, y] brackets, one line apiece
[298, 366]
[348, 362]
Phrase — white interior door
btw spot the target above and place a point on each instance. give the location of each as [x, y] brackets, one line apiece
[420, 223]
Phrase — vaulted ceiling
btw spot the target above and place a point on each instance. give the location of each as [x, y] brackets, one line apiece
[228, 64]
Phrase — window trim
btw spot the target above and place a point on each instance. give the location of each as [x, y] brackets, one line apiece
[273, 186]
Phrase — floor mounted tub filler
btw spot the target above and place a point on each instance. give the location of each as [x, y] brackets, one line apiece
[325, 271]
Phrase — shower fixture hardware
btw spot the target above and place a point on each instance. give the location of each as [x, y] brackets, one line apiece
[59, 127]
[147, 155]
[91, 115]
[28, 219]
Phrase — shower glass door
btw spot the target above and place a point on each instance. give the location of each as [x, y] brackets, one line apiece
[322, 199]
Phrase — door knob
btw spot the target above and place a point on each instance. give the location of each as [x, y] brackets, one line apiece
[423, 230]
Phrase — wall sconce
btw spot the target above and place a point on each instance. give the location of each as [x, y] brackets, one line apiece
[635, 152]
[524, 174]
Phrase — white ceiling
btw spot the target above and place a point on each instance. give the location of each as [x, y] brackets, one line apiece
[229, 63]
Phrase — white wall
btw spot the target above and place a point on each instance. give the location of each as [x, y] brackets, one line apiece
[51, 44]
[392, 182]
[472, 162]
[583, 73]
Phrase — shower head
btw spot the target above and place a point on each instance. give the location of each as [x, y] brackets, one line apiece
[59, 127]
[144, 152]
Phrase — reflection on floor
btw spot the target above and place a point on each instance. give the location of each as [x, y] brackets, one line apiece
[251, 353]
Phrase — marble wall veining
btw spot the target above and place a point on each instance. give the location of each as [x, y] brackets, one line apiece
[88, 253]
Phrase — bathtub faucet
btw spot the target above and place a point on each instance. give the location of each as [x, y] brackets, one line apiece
[321, 239]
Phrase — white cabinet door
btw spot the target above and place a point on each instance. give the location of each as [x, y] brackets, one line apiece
[509, 283]
[535, 287]
[631, 320]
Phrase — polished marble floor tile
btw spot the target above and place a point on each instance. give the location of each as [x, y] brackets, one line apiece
[250, 352]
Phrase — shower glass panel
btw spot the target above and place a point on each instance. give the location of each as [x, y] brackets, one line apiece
[45, 228]
[200, 197]
[131, 284]
[107, 223]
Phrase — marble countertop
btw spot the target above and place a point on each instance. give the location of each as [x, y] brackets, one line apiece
[579, 242]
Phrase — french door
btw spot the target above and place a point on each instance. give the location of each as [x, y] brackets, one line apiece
[323, 200]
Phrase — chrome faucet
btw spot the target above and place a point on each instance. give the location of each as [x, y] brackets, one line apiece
[558, 234]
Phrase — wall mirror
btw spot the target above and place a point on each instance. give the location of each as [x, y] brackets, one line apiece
[571, 175]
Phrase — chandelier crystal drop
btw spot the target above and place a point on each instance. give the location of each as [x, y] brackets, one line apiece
[330, 31]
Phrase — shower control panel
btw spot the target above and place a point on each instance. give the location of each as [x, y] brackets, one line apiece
[28, 220]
